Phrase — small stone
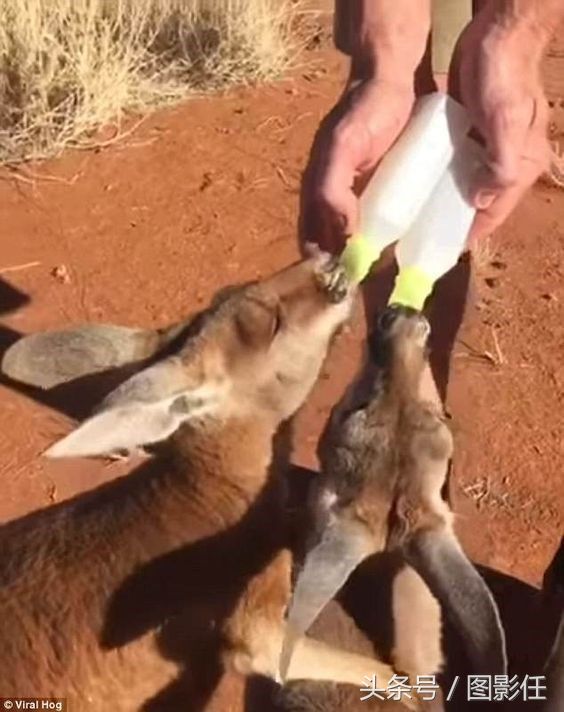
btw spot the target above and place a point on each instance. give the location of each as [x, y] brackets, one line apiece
[205, 182]
[61, 274]
[52, 493]
[492, 282]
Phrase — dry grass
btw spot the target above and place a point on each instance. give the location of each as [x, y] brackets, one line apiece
[556, 171]
[483, 253]
[69, 66]
[495, 357]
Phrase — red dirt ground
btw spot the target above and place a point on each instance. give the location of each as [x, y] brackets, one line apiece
[143, 232]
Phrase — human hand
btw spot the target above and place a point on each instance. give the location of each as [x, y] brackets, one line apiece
[386, 41]
[495, 73]
[350, 142]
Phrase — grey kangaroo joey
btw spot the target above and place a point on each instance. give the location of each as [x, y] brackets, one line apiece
[384, 457]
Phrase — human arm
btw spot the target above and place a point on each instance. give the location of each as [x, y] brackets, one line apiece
[385, 40]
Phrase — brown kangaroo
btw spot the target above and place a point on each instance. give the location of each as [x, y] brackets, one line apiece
[136, 596]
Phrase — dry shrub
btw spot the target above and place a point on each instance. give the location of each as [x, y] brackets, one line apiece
[69, 66]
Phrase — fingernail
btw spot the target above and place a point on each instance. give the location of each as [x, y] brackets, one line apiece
[484, 199]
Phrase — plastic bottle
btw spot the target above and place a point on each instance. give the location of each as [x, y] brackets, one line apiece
[436, 239]
[404, 179]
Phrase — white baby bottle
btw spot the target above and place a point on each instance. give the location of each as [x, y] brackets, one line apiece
[438, 236]
[404, 179]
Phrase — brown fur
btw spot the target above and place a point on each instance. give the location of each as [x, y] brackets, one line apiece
[138, 594]
[386, 450]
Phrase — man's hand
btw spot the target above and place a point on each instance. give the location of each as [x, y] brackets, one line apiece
[496, 74]
[349, 144]
[386, 41]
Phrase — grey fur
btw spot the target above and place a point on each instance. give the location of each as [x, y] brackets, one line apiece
[385, 454]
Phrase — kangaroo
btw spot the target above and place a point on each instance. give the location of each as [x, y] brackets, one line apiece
[384, 456]
[137, 595]
[554, 586]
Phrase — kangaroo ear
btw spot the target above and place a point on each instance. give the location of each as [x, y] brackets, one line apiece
[145, 409]
[343, 546]
[257, 321]
[51, 358]
[417, 620]
[439, 559]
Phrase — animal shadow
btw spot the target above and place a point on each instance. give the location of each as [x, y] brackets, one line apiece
[11, 299]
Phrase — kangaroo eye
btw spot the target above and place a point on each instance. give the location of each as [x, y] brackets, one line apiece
[388, 317]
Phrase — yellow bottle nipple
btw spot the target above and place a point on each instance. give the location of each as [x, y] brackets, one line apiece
[358, 257]
[412, 287]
